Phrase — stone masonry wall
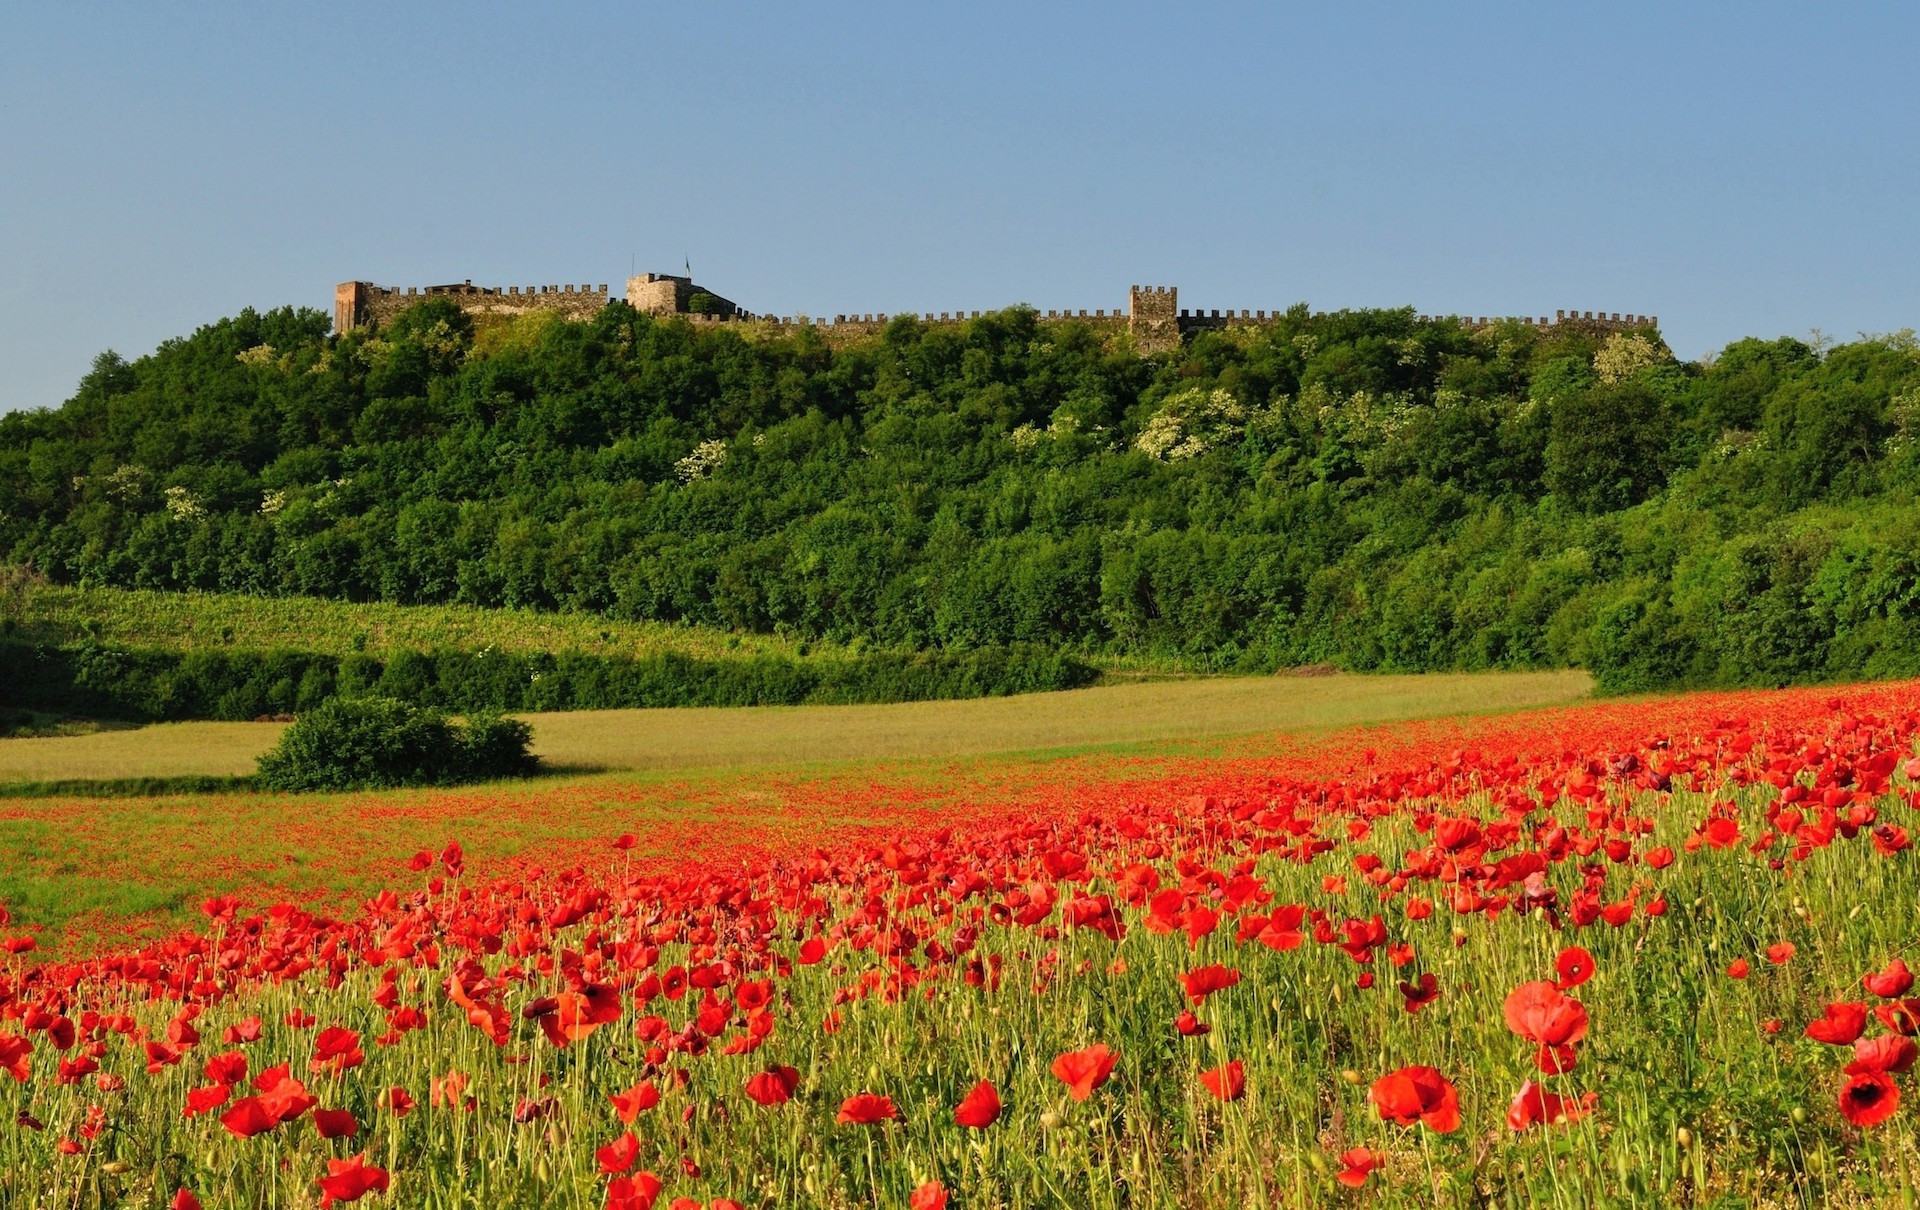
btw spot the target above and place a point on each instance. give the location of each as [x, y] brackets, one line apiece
[359, 304]
[1153, 317]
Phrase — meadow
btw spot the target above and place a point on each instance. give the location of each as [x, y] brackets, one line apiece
[1624, 953]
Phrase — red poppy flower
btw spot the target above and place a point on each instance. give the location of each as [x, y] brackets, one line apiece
[1781, 952]
[812, 950]
[1207, 980]
[335, 1123]
[1888, 1052]
[636, 1193]
[774, 1086]
[420, 861]
[642, 1097]
[618, 1156]
[1534, 1105]
[205, 1100]
[1417, 1094]
[15, 1050]
[1191, 1026]
[399, 1101]
[1359, 1163]
[1574, 966]
[866, 1109]
[1902, 1016]
[1738, 968]
[1659, 858]
[1841, 1024]
[247, 1118]
[246, 1031]
[1227, 1082]
[229, 1068]
[930, 1196]
[349, 1180]
[183, 1199]
[980, 1108]
[336, 1049]
[1868, 1098]
[1082, 1071]
[1893, 982]
[1540, 1012]
[285, 1098]
[1418, 996]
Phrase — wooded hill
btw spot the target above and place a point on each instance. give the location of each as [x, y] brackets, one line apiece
[1360, 488]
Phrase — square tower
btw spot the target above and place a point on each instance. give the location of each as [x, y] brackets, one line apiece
[1153, 318]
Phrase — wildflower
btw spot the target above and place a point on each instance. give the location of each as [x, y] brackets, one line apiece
[1083, 1071]
[1418, 996]
[930, 1196]
[1781, 952]
[1896, 980]
[1840, 1024]
[1868, 1098]
[866, 1109]
[247, 1118]
[633, 1193]
[1737, 969]
[641, 1097]
[1574, 966]
[1417, 1094]
[618, 1156]
[1889, 1053]
[335, 1123]
[774, 1086]
[349, 1180]
[1206, 980]
[980, 1108]
[1534, 1105]
[1358, 1164]
[1228, 1082]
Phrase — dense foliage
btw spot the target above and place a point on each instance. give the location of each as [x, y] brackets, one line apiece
[1363, 488]
[100, 680]
[377, 742]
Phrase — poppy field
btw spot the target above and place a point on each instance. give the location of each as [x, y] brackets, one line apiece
[1647, 953]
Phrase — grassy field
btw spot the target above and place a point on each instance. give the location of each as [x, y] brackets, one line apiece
[1181, 710]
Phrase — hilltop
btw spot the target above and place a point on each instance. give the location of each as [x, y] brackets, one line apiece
[1372, 489]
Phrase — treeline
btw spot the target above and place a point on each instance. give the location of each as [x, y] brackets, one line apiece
[103, 681]
[1360, 488]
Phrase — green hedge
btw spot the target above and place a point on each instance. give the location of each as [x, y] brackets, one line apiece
[98, 680]
[374, 743]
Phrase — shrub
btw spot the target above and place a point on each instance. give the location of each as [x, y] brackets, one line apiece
[376, 742]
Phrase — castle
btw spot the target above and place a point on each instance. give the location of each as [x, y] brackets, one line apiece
[1154, 318]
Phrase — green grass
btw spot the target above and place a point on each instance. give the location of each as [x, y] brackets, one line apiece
[1149, 712]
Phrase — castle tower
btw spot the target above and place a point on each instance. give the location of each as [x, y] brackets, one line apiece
[1153, 318]
[349, 306]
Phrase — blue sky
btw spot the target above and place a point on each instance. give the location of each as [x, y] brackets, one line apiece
[1734, 169]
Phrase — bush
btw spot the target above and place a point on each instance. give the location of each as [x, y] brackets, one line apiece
[376, 742]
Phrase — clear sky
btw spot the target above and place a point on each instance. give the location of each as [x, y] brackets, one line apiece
[1736, 169]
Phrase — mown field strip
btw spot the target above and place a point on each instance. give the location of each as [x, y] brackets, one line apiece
[1103, 715]
[716, 737]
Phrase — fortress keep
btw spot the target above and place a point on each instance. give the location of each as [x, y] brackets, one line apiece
[1153, 318]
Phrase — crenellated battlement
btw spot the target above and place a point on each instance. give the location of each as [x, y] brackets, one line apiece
[359, 304]
[1153, 318]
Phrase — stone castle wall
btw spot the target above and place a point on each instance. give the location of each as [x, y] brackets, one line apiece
[358, 304]
[1153, 318]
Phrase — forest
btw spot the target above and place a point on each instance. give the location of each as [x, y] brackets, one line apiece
[1367, 489]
